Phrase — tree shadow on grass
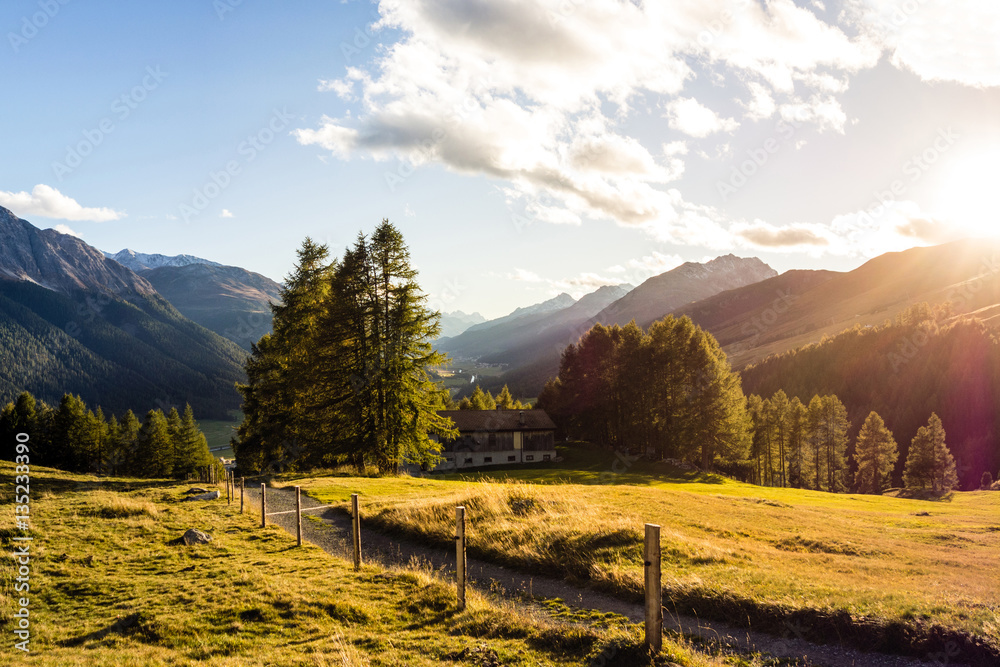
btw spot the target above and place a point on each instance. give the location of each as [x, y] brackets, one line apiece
[137, 624]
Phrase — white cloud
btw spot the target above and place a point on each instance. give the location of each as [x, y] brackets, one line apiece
[889, 227]
[537, 95]
[46, 202]
[938, 40]
[761, 104]
[64, 229]
[226, 213]
[825, 112]
[689, 116]
[524, 276]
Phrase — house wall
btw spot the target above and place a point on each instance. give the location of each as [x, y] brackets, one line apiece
[458, 460]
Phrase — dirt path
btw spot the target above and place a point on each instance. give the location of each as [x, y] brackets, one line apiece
[333, 535]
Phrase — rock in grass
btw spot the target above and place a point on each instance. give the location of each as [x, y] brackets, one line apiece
[212, 495]
[195, 536]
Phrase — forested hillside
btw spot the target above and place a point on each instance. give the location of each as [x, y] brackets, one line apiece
[118, 354]
[923, 362]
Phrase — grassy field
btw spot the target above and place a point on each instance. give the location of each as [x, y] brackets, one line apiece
[218, 433]
[110, 586]
[874, 569]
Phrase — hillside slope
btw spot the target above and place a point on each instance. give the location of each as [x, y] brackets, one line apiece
[228, 300]
[72, 320]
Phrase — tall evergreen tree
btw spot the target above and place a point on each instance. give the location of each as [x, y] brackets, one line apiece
[154, 449]
[929, 463]
[875, 455]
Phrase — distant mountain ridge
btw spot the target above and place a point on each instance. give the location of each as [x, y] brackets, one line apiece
[555, 303]
[60, 262]
[691, 281]
[73, 320]
[140, 261]
[456, 322]
[229, 300]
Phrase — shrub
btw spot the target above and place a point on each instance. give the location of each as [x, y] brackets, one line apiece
[987, 481]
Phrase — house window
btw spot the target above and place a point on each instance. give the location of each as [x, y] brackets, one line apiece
[529, 457]
[511, 458]
[468, 460]
[546, 457]
[487, 459]
[492, 441]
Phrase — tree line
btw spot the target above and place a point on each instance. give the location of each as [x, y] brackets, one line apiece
[74, 438]
[343, 378]
[919, 363]
[483, 400]
[668, 391]
[806, 447]
[671, 393]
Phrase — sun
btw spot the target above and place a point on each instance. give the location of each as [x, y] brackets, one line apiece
[968, 194]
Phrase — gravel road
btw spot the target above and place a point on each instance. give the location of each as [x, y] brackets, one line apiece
[334, 536]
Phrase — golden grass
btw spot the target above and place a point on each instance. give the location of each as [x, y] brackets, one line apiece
[110, 586]
[729, 549]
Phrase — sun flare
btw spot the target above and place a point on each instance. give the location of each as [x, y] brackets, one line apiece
[967, 196]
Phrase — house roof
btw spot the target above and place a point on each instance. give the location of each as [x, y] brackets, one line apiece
[499, 420]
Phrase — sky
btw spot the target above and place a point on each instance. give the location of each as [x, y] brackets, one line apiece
[524, 148]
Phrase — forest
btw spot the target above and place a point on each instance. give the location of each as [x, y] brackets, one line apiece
[343, 378]
[670, 393]
[74, 438]
[921, 362]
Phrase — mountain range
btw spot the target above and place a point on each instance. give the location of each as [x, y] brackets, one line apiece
[72, 320]
[228, 300]
[529, 342]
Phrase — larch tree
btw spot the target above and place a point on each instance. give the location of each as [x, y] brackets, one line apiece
[875, 456]
[154, 455]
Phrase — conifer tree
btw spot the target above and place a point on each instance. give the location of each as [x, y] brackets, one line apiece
[174, 427]
[505, 401]
[154, 455]
[482, 400]
[126, 445]
[875, 455]
[192, 446]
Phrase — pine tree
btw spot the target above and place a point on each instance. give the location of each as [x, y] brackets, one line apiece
[192, 446]
[834, 426]
[945, 473]
[505, 401]
[126, 447]
[482, 400]
[798, 433]
[875, 455]
[174, 427]
[153, 446]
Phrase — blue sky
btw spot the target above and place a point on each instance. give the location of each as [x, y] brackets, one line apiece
[524, 148]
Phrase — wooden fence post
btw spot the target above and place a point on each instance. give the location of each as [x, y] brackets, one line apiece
[298, 516]
[263, 505]
[654, 592]
[356, 530]
[229, 492]
[242, 482]
[460, 561]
